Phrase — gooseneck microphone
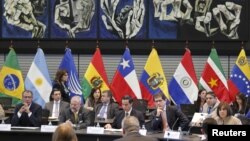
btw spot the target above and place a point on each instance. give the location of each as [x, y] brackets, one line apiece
[174, 123]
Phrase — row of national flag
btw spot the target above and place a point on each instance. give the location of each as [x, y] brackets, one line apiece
[182, 88]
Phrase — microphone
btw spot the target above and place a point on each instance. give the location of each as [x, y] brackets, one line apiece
[174, 123]
[188, 132]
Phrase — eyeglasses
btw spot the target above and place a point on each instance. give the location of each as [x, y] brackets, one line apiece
[160, 100]
[26, 97]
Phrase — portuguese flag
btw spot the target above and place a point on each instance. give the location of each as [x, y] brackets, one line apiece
[95, 76]
[213, 77]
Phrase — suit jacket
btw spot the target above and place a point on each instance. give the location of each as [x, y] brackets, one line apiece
[83, 117]
[135, 136]
[113, 108]
[117, 123]
[62, 107]
[65, 95]
[174, 116]
[34, 120]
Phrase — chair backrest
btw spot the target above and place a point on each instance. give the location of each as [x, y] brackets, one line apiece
[140, 105]
[6, 102]
[45, 116]
[188, 109]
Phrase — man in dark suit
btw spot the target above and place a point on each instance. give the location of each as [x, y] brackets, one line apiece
[56, 106]
[127, 103]
[27, 113]
[75, 115]
[166, 117]
[107, 109]
[131, 129]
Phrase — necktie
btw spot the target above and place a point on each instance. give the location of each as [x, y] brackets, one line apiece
[102, 111]
[76, 117]
[209, 110]
[126, 114]
[56, 109]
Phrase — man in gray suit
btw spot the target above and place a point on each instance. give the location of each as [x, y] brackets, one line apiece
[130, 128]
[56, 106]
[107, 109]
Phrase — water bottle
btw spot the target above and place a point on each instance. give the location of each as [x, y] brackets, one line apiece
[97, 124]
[143, 130]
[143, 127]
[180, 131]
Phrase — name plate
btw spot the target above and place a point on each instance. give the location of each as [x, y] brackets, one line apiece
[95, 130]
[143, 132]
[48, 128]
[172, 135]
[5, 127]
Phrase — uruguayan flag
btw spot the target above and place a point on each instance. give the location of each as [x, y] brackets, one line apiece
[38, 80]
[73, 80]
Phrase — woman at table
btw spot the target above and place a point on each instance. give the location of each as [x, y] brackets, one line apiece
[225, 115]
[240, 105]
[93, 99]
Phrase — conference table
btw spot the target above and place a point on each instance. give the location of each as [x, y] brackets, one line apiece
[37, 135]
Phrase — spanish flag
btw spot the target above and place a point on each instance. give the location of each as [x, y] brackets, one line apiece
[11, 79]
[95, 76]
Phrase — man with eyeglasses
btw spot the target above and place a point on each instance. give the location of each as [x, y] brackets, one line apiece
[211, 104]
[166, 117]
[27, 113]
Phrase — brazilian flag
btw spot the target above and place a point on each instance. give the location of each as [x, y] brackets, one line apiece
[11, 79]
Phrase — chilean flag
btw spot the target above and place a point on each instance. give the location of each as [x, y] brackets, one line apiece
[125, 80]
[183, 85]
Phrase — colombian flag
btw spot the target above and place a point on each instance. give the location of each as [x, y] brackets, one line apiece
[11, 79]
[153, 79]
[95, 76]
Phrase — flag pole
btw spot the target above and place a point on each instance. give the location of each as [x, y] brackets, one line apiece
[242, 45]
[153, 44]
[186, 44]
[66, 44]
[126, 44]
[97, 43]
[38, 43]
[213, 44]
[11, 44]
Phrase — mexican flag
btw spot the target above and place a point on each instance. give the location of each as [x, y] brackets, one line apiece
[213, 77]
[95, 76]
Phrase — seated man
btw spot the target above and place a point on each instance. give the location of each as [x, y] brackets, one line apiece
[211, 104]
[127, 103]
[107, 109]
[27, 113]
[130, 129]
[75, 114]
[56, 106]
[166, 117]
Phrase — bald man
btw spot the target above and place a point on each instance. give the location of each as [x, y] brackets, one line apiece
[75, 114]
[131, 127]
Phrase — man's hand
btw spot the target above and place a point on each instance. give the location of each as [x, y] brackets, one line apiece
[108, 126]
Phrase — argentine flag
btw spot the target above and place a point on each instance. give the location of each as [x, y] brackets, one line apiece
[73, 82]
[38, 80]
